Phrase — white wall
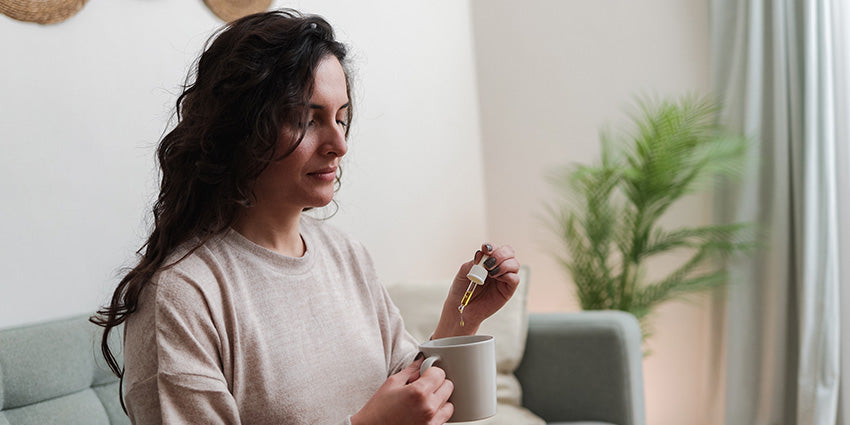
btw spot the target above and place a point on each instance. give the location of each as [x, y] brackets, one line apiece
[84, 102]
[551, 74]
[413, 188]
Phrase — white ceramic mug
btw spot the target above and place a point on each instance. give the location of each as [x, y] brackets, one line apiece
[470, 363]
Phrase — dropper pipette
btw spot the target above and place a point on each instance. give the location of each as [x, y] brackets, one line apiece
[477, 275]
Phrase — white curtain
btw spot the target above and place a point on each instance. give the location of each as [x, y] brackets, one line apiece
[781, 72]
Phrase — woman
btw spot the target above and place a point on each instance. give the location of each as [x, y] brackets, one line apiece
[242, 308]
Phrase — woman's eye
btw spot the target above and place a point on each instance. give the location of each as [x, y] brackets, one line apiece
[342, 124]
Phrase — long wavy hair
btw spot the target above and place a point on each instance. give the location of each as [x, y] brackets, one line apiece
[254, 79]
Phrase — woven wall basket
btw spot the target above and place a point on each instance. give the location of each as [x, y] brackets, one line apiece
[228, 10]
[41, 11]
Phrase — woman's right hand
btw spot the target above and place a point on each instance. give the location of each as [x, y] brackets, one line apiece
[409, 399]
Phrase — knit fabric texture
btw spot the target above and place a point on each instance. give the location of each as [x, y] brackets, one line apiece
[236, 333]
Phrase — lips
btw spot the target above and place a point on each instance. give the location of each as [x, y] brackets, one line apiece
[328, 173]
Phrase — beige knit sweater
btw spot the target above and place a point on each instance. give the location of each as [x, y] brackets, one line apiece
[236, 333]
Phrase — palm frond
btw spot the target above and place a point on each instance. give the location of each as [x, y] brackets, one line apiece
[608, 216]
[663, 241]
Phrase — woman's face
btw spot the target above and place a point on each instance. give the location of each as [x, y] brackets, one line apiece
[305, 178]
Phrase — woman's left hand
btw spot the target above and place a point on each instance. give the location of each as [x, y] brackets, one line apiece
[502, 281]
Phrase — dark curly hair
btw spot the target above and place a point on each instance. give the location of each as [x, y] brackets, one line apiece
[254, 78]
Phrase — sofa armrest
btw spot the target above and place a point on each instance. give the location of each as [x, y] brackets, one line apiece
[584, 366]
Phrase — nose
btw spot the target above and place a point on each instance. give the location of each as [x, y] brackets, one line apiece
[335, 143]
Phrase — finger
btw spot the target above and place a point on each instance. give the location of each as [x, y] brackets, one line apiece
[503, 260]
[502, 253]
[416, 365]
[511, 265]
[411, 372]
[444, 413]
[444, 391]
[486, 249]
[431, 379]
[508, 284]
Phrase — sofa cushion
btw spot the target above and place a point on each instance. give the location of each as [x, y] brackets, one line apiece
[78, 408]
[44, 362]
[53, 373]
[420, 303]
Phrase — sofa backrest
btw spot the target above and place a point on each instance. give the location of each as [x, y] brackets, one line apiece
[53, 373]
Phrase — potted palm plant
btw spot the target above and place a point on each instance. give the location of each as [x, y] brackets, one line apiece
[609, 217]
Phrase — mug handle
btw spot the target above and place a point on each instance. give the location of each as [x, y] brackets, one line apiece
[428, 363]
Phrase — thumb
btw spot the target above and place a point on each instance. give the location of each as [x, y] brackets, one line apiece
[411, 372]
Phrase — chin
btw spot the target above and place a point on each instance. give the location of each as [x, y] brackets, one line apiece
[321, 202]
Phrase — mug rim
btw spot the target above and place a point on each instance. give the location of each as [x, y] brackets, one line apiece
[457, 341]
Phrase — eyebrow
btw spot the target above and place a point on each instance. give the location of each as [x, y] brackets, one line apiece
[321, 107]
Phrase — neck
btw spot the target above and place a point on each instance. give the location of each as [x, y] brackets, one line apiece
[278, 232]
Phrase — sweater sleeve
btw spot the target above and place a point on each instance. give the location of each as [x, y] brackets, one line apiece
[179, 357]
[400, 347]
[403, 346]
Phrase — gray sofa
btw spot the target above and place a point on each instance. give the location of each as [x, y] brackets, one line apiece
[578, 368]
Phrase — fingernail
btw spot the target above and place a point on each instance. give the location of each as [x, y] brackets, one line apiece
[494, 271]
[419, 356]
[490, 262]
[489, 247]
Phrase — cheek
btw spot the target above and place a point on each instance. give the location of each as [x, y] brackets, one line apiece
[274, 176]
